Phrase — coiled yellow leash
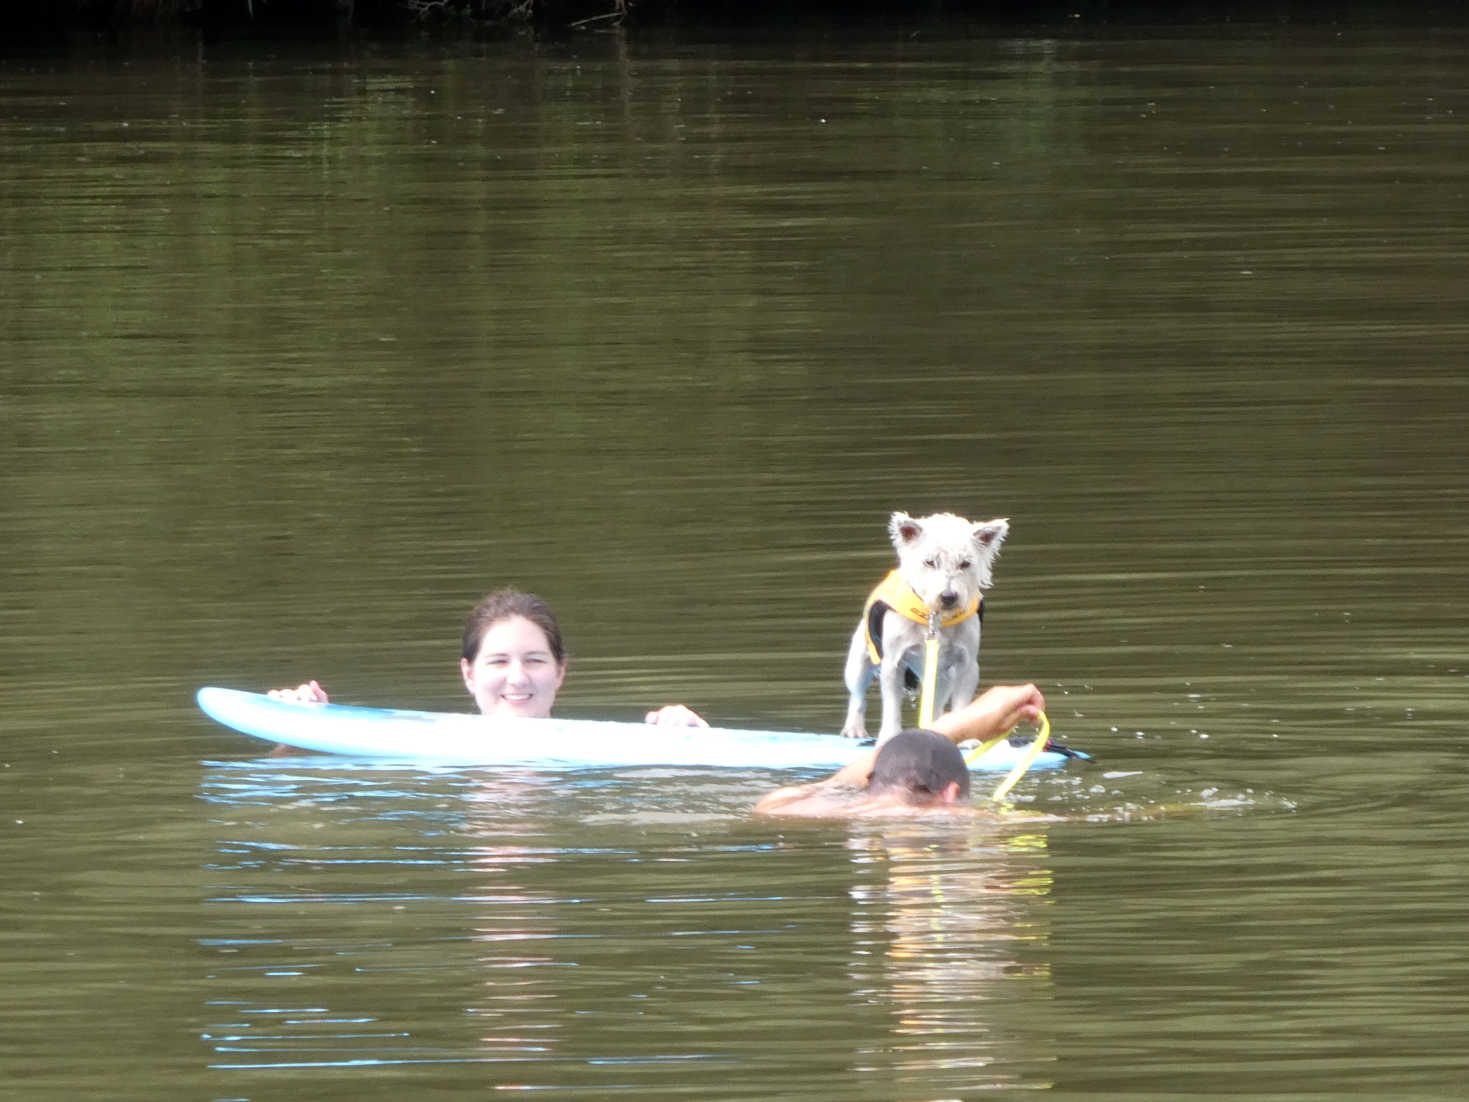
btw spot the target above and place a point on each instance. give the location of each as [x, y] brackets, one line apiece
[1020, 767]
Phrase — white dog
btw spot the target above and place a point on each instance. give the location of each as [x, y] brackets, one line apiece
[944, 564]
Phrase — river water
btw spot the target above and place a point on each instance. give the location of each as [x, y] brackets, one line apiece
[302, 350]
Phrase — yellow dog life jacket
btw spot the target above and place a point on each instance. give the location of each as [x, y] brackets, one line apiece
[896, 595]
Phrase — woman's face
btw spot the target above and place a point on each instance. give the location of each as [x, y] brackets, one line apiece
[514, 673]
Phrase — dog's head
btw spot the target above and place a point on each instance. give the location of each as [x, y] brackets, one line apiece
[947, 559]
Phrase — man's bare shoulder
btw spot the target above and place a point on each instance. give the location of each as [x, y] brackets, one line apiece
[807, 802]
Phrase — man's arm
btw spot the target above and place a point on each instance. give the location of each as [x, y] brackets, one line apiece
[996, 711]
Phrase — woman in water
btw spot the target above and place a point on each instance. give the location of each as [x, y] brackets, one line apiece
[513, 662]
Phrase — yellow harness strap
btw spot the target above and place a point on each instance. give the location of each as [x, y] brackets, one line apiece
[897, 595]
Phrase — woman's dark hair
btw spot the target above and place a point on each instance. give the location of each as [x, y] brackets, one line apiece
[503, 604]
[918, 765]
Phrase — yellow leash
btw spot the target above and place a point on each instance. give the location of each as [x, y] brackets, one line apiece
[925, 718]
[930, 673]
[1018, 770]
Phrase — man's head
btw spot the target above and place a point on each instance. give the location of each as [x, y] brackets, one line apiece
[920, 767]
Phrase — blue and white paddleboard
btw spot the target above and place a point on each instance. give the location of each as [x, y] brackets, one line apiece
[446, 738]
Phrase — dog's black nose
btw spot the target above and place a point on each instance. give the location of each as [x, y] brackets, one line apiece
[948, 598]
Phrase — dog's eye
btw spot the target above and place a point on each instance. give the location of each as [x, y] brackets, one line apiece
[932, 564]
[965, 565]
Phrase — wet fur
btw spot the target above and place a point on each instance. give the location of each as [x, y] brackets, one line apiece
[948, 561]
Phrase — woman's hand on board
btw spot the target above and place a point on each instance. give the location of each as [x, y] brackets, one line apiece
[675, 715]
[309, 693]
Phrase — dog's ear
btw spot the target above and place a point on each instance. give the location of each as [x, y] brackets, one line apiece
[989, 534]
[904, 529]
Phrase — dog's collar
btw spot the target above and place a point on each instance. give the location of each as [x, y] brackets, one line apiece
[903, 599]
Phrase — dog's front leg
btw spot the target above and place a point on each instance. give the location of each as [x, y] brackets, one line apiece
[858, 677]
[890, 679]
[964, 682]
[960, 668]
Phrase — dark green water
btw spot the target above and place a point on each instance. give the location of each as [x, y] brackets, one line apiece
[302, 352]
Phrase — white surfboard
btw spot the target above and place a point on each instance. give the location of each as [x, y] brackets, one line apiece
[452, 738]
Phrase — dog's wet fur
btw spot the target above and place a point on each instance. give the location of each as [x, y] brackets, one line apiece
[948, 561]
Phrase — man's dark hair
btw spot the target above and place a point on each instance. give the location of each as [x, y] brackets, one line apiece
[918, 765]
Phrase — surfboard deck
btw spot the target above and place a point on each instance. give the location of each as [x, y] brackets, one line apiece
[451, 738]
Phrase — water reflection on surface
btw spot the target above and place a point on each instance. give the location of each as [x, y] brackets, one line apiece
[648, 960]
[940, 940]
[676, 945]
